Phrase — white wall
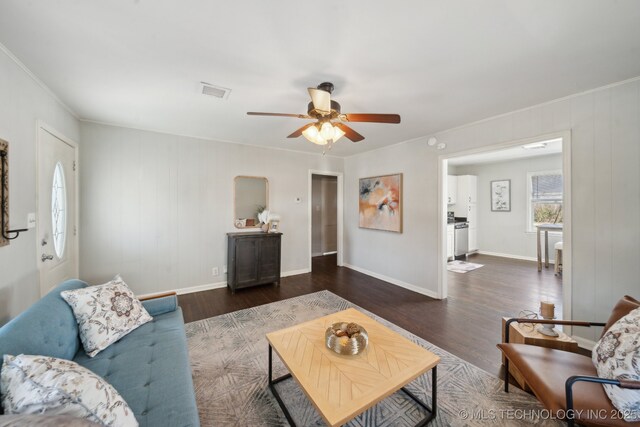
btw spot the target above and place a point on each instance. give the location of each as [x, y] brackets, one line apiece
[23, 101]
[156, 208]
[408, 258]
[605, 156]
[505, 233]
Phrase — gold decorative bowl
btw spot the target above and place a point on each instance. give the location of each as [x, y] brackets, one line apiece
[343, 344]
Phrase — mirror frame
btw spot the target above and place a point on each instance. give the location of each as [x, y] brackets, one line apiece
[235, 213]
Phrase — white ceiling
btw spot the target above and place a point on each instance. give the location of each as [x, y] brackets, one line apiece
[439, 64]
[553, 146]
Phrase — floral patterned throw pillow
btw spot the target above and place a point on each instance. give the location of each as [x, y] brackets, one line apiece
[105, 313]
[617, 356]
[50, 386]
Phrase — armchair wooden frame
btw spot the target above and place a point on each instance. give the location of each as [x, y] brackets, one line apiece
[570, 412]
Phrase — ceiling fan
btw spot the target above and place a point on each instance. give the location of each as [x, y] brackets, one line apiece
[328, 126]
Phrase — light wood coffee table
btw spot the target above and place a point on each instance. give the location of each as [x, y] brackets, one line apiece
[342, 387]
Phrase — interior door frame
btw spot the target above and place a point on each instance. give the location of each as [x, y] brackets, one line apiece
[340, 208]
[567, 232]
[42, 126]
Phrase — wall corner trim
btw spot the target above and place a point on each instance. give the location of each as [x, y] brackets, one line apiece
[37, 80]
[396, 282]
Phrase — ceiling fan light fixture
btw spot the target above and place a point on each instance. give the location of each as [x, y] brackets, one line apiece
[326, 130]
[337, 133]
[312, 134]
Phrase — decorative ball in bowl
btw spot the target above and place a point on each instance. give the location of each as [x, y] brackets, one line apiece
[346, 338]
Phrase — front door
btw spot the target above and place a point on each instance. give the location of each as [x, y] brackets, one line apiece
[57, 227]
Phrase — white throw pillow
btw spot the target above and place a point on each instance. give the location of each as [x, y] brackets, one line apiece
[105, 313]
[617, 356]
[46, 385]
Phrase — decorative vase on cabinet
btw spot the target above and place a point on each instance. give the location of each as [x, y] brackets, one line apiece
[253, 259]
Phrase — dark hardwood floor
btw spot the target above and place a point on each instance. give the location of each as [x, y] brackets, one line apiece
[466, 324]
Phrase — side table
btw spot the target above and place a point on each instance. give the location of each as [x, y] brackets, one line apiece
[523, 335]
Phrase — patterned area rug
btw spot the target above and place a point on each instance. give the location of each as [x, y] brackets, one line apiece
[230, 364]
[462, 266]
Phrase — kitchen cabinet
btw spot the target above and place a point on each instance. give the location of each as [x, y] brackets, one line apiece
[466, 206]
[252, 259]
[452, 189]
[450, 241]
[467, 189]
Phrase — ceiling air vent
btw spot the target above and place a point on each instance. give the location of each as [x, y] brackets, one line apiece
[215, 91]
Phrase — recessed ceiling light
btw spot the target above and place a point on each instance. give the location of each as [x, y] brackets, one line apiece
[432, 141]
[534, 145]
[441, 146]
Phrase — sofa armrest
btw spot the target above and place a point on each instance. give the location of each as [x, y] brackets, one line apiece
[571, 413]
[158, 306]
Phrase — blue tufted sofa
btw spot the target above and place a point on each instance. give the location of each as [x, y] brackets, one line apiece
[149, 367]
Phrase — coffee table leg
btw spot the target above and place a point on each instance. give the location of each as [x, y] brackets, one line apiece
[272, 384]
[433, 410]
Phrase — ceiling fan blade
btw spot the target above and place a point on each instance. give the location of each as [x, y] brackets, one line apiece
[321, 100]
[299, 131]
[349, 133]
[299, 116]
[372, 118]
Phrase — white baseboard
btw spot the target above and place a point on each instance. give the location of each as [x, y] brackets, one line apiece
[218, 285]
[200, 288]
[330, 253]
[393, 281]
[295, 272]
[584, 343]
[525, 258]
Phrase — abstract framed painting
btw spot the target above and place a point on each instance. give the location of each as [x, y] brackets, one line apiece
[380, 203]
[501, 195]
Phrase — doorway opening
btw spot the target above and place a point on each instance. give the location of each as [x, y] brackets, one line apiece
[499, 196]
[325, 216]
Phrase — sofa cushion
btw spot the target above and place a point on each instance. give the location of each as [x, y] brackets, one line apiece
[47, 385]
[47, 328]
[546, 370]
[617, 356]
[150, 368]
[105, 313]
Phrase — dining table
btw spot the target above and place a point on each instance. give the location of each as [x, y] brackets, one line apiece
[546, 228]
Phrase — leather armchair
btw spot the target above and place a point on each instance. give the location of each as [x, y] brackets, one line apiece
[566, 383]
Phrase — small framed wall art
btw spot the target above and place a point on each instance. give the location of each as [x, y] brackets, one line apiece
[380, 203]
[501, 195]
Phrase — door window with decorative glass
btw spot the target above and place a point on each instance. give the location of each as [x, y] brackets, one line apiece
[545, 198]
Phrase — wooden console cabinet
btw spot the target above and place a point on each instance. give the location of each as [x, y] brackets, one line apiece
[253, 259]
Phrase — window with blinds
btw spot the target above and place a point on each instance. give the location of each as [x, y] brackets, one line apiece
[545, 198]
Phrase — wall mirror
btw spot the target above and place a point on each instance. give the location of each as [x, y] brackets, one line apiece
[251, 196]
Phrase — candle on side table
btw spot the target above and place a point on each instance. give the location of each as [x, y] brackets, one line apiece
[547, 309]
